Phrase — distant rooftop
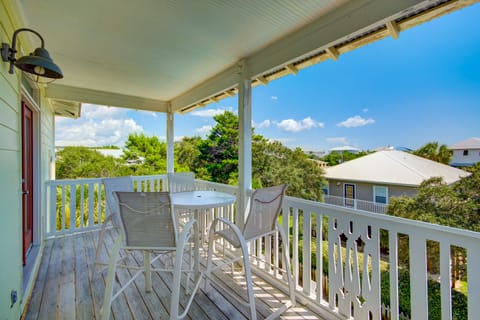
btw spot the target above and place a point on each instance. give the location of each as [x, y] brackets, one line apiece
[393, 167]
[345, 148]
[471, 143]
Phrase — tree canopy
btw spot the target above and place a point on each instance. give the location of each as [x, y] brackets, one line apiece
[337, 157]
[456, 205]
[82, 162]
[435, 152]
[214, 158]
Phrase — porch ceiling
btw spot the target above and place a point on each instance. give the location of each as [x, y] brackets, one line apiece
[179, 55]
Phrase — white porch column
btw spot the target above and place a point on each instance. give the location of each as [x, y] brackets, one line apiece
[170, 135]
[244, 143]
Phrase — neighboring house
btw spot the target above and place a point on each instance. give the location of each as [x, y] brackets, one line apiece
[389, 173]
[466, 153]
[345, 149]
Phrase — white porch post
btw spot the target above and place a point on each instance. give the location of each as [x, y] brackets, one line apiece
[170, 135]
[244, 142]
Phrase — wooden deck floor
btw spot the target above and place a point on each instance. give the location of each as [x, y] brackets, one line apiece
[63, 290]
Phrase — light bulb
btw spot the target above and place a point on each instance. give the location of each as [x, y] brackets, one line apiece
[39, 70]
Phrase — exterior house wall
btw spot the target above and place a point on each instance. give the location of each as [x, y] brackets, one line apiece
[470, 159]
[11, 245]
[364, 191]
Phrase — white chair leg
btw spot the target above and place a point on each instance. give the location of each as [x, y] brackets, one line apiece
[248, 280]
[107, 298]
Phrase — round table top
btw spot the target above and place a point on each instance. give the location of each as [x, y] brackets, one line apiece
[201, 199]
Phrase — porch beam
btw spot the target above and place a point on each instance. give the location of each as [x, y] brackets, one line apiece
[392, 26]
[170, 142]
[333, 53]
[244, 143]
[83, 95]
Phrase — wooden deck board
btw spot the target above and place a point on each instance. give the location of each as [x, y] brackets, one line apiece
[64, 289]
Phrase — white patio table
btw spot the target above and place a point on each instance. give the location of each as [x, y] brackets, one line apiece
[199, 201]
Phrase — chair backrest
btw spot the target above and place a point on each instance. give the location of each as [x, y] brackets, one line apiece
[181, 181]
[116, 184]
[147, 219]
[265, 206]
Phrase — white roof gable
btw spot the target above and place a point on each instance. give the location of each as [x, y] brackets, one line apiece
[393, 167]
[471, 143]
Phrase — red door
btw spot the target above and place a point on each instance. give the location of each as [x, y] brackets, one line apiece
[27, 178]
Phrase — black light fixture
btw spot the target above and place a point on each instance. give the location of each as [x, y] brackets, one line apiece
[38, 62]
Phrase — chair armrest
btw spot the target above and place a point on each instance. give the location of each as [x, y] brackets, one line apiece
[235, 237]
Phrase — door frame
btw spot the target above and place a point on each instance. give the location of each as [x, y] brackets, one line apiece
[354, 194]
[37, 185]
[28, 181]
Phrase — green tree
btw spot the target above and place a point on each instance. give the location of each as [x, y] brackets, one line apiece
[272, 163]
[187, 152]
[435, 152]
[82, 162]
[148, 155]
[336, 157]
[218, 157]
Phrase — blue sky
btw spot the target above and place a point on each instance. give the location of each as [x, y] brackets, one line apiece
[422, 87]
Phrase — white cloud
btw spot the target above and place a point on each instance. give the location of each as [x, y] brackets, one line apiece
[207, 112]
[203, 130]
[365, 110]
[291, 125]
[274, 98]
[355, 121]
[98, 126]
[263, 124]
[338, 140]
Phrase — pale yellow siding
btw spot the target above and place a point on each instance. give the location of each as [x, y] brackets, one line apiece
[11, 270]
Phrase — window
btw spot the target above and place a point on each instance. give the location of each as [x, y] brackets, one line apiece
[380, 194]
[465, 152]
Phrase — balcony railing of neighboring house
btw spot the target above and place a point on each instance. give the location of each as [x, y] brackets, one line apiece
[356, 204]
[349, 281]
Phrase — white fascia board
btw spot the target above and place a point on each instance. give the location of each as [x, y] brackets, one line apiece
[68, 93]
[226, 79]
[352, 18]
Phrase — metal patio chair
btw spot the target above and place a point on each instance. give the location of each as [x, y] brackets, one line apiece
[262, 221]
[111, 185]
[148, 224]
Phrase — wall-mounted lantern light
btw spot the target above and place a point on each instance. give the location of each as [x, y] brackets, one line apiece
[38, 62]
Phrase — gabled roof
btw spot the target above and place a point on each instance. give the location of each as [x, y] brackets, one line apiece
[471, 143]
[393, 167]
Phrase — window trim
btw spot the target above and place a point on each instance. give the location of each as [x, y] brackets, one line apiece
[375, 194]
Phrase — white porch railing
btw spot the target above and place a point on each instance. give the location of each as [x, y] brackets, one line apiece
[349, 283]
[356, 204]
[86, 199]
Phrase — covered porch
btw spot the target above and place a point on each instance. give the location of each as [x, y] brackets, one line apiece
[170, 57]
[63, 289]
[347, 263]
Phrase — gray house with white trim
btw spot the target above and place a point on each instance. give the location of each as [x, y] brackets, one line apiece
[388, 173]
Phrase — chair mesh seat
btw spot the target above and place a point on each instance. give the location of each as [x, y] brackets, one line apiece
[146, 218]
